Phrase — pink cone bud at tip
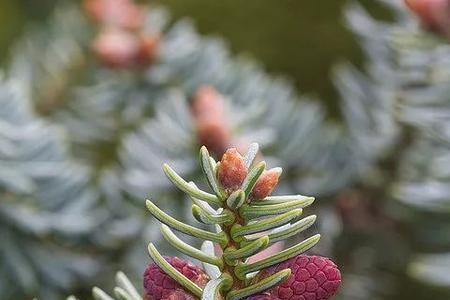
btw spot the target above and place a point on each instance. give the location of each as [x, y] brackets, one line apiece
[232, 170]
[266, 184]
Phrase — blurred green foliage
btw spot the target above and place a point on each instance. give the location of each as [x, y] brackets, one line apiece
[298, 39]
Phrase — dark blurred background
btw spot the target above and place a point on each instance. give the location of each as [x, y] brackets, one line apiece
[298, 39]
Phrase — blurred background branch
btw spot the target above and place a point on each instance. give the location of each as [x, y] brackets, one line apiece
[298, 39]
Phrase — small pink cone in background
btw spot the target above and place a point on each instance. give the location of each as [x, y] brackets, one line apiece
[207, 103]
[116, 48]
[119, 48]
[209, 116]
[124, 14]
[434, 14]
[214, 135]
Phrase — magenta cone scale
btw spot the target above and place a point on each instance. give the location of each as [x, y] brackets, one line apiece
[313, 278]
[160, 286]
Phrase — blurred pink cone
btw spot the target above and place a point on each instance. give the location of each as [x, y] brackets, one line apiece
[119, 48]
[116, 48]
[117, 13]
[207, 104]
[214, 135]
[209, 117]
[434, 14]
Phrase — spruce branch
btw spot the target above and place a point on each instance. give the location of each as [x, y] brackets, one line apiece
[229, 271]
[192, 191]
[220, 238]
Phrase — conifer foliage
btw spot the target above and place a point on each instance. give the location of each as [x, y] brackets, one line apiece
[47, 208]
[397, 115]
[246, 220]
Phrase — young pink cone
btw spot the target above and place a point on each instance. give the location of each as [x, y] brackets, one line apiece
[207, 103]
[160, 286]
[214, 135]
[116, 48]
[434, 14]
[312, 278]
[209, 116]
[265, 184]
[115, 13]
[232, 170]
[119, 48]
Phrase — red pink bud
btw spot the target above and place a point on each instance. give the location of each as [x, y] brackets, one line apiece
[265, 184]
[232, 170]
